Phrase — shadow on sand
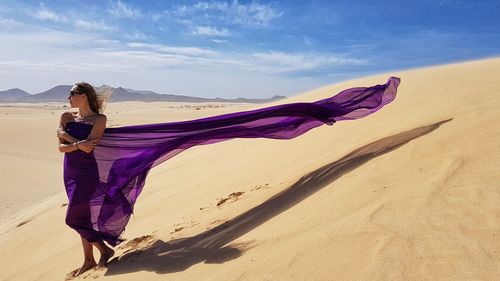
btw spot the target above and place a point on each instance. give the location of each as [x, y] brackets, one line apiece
[211, 246]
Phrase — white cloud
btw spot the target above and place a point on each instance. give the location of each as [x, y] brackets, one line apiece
[48, 15]
[214, 5]
[120, 9]
[211, 31]
[59, 44]
[265, 62]
[219, 41]
[281, 62]
[10, 24]
[254, 14]
[187, 51]
[136, 35]
[53, 57]
[74, 19]
[92, 25]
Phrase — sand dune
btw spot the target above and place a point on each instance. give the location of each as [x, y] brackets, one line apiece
[408, 193]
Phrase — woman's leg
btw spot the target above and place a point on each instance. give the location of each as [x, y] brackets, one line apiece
[88, 255]
[106, 252]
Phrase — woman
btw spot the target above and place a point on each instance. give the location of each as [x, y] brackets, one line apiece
[78, 134]
[105, 169]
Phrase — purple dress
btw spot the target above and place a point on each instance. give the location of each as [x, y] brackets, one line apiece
[102, 186]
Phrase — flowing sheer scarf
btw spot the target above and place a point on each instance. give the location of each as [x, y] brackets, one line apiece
[125, 155]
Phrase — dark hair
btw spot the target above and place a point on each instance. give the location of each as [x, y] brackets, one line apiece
[96, 102]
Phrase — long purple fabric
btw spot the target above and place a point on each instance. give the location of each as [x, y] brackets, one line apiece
[103, 186]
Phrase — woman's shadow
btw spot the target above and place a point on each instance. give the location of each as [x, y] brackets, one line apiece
[211, 246]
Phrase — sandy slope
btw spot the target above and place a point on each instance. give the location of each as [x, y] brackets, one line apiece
[409, 193]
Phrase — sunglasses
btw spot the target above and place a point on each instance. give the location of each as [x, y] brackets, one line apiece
[73, 93]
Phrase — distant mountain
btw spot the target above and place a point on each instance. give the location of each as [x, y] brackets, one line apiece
[122, 94]
[13, 95]
[60, 94]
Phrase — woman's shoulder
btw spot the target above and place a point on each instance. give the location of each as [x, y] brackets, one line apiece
[68, 116]
[101, 117]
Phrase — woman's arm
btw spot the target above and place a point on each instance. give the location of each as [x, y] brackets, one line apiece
[66, 142]
[95, 134]
[83, 145]
[67, 147]
[64, 136]
[98, 129]
[61, 130]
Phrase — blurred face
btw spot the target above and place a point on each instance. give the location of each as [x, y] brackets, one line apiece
[76, 98]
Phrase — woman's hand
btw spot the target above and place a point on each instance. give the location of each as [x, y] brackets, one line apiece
[60, 133]
[87, 146]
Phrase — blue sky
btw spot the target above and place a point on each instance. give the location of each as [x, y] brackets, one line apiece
[234, 48]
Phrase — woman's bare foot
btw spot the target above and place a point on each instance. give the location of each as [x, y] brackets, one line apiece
[105, 256]
[86, 266]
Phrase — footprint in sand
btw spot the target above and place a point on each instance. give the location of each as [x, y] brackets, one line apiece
[260, 186]
[216, 222]
[180, 226]
[233, 197]
[136, 243]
